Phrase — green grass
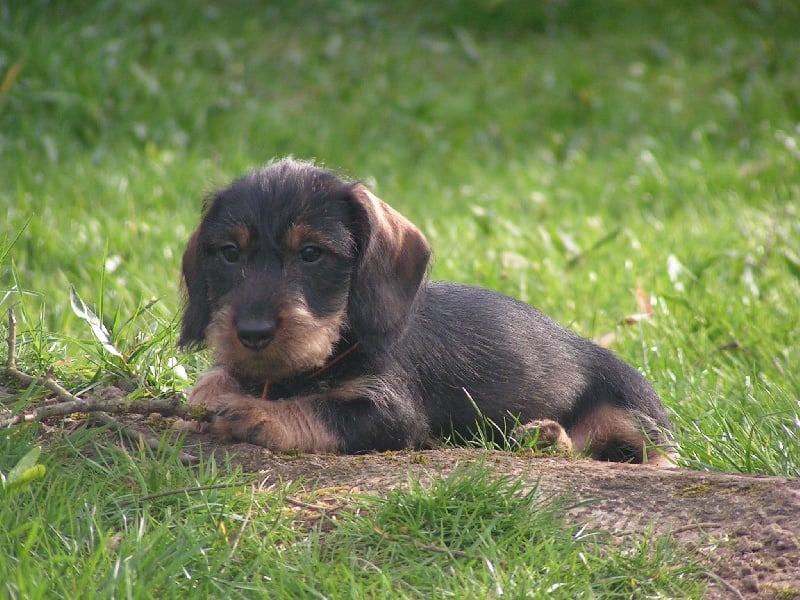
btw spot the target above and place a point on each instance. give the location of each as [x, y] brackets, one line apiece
[562, 153]
[140, 526]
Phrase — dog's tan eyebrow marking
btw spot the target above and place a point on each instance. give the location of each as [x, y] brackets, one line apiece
[299, 234]
[240, 235]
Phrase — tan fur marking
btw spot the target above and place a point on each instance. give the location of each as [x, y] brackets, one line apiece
[211, 386]
[360, 387]
[607, 423]
[546, 433]
[661, 458]
[302, 342]
[280, 425]
[393, 226]
[301, 233]
[241, 235]
[212, 390]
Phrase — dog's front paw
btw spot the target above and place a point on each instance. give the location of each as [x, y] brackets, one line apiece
[213, 390]
[543, 434]
[243, 419]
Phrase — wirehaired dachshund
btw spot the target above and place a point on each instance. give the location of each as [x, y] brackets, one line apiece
[326, 336]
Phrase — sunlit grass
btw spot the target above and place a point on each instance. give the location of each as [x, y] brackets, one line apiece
[574, 156]
[567, 160]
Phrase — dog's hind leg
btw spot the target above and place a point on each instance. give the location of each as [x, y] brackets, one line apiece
[615, 434]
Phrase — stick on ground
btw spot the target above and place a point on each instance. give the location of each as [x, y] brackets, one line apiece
[108, 400]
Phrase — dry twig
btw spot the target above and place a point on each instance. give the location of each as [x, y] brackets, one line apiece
[109, 400]
[136, 437]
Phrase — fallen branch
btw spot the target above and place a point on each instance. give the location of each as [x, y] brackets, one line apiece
[108, 400]
[140, 438]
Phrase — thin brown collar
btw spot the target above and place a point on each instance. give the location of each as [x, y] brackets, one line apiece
[328, 365]
[319, 371]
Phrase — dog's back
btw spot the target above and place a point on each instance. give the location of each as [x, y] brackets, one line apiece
[484, 360]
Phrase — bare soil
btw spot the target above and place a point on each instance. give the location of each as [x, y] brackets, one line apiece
[746, 527]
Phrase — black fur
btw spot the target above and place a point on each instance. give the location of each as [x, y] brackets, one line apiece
[426, 359]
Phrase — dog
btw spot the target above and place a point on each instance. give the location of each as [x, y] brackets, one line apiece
[327, 336]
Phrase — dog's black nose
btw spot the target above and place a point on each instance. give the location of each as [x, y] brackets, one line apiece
[255, 334]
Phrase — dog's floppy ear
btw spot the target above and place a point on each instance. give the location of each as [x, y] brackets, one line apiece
[393, 257]
[197, 310]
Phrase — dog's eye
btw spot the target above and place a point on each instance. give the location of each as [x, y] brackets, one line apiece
[230, 252]
[310, 254]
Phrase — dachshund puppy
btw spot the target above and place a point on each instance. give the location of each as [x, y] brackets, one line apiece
[326, 336]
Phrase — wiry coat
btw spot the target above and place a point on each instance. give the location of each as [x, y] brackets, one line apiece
[311, 292]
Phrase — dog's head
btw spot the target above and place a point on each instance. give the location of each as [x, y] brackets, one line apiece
[289, 258]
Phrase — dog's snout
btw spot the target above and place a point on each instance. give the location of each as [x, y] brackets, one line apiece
[255, 334]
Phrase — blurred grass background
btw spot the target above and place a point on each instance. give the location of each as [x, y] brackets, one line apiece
[564, 152]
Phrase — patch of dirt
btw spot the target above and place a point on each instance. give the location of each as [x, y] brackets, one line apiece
[746, 527]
